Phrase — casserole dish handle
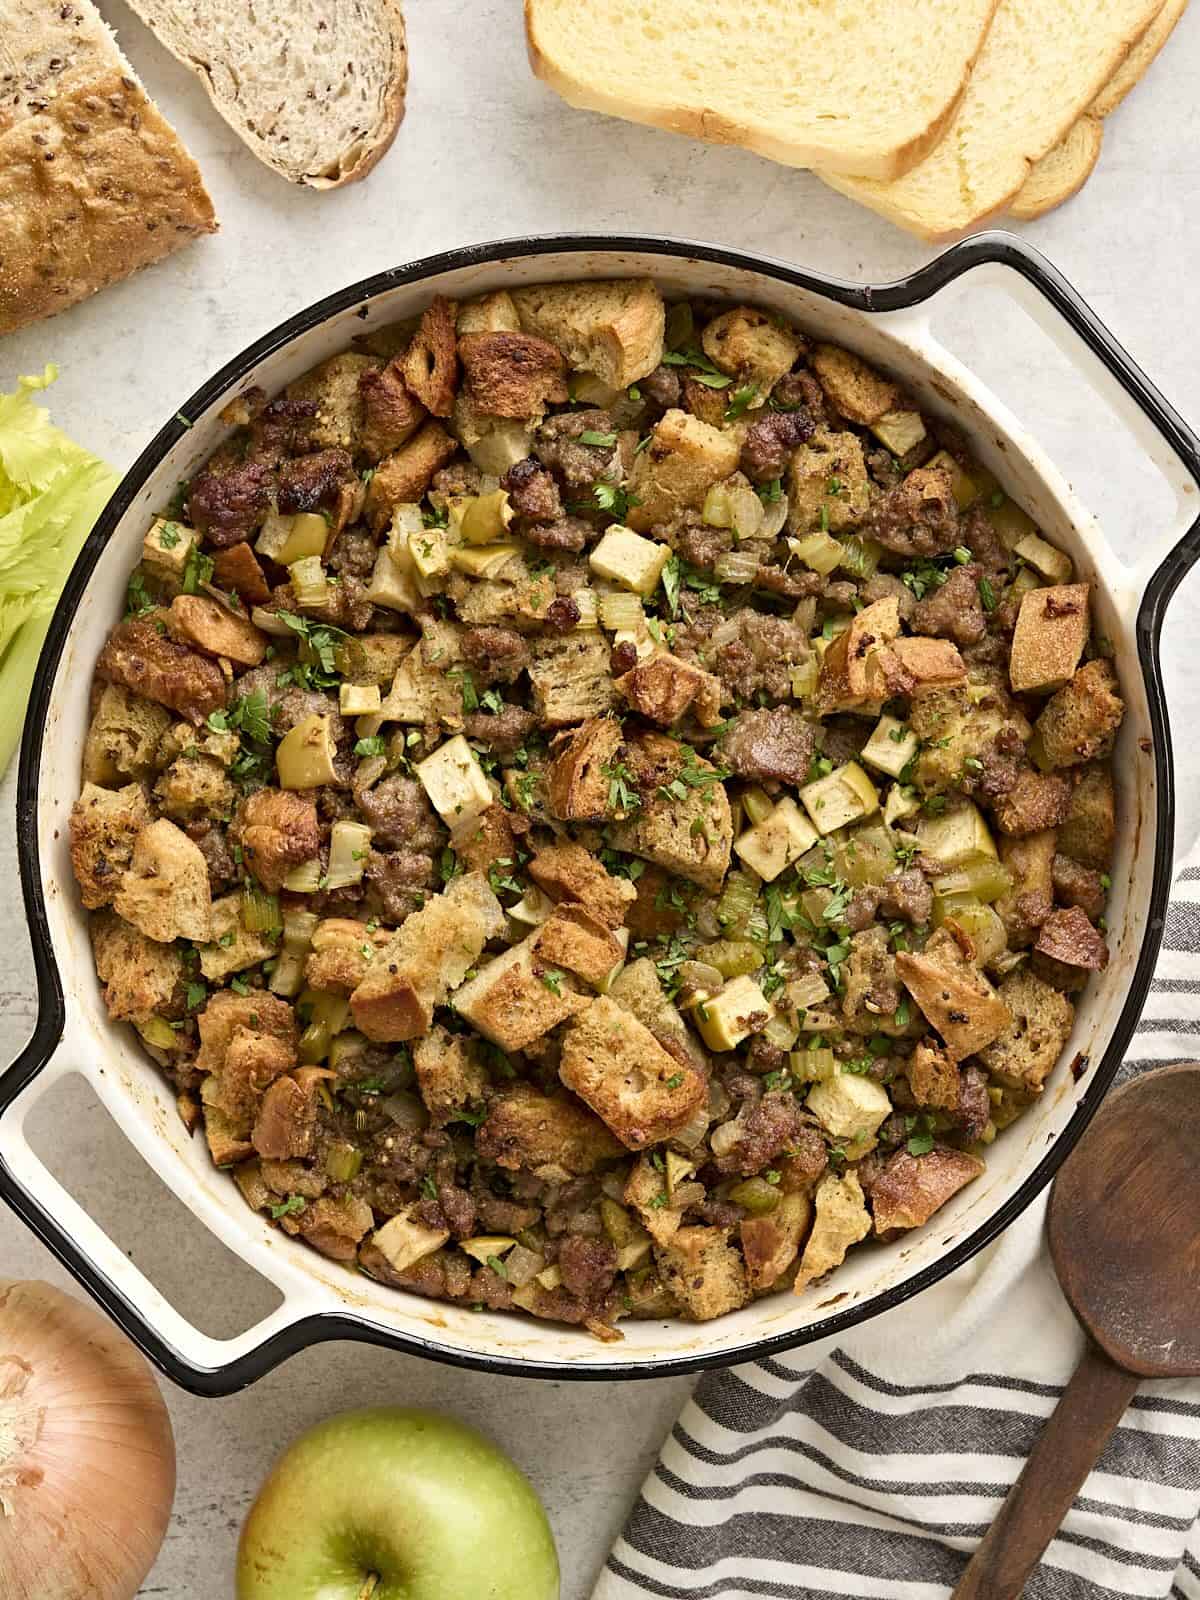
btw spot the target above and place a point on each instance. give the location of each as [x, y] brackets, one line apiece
[193, 1359]
[1026, 276]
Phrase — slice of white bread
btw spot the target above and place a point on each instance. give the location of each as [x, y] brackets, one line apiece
[1043, 64]
[314, 87]
[94, 182]
[1060, 173]
[1064, 171]
[1129, 74]
[859, 86]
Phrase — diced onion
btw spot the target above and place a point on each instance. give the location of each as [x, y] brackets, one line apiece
[621, 611]
[589, 610]
[737, 566]
[745, 511]
[349, 843]
[774, 518]
[310, 586]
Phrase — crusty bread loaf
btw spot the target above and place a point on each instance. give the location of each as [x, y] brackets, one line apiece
[849, 85]
[1129, 74]
[94, 182]
[1061, 172]
[1040, 69]
[1065, 169]
[315, 87]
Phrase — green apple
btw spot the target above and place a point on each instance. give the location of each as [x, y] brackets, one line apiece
[392, 1504]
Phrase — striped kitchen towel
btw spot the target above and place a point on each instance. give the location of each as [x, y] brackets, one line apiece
[869, 1469]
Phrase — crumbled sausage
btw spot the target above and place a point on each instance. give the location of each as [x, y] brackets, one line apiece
[228, 506]
[769, 442]
[919, 517]
[532, 491]
[769, 744]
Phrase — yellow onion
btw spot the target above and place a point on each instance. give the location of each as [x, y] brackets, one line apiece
[87, 1458]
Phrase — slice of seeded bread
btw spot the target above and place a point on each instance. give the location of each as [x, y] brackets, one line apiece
[1042, 65]
[863, 86]
[94, 182]
[315, 87]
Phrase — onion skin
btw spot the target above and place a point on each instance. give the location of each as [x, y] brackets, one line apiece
[87, 1457]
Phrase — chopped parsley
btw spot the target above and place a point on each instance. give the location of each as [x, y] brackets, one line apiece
[623, 795]
[197, 994]
[741, 400]
[553, 981]
[599, 441]
[770, 493]
[466, 687]
[704, 371]
[169, 535]
[138, 599]
[292, 1206]
[987, 595]
[197, 570]
[373, 745]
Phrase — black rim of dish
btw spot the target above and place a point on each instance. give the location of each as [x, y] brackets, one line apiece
[996, 248]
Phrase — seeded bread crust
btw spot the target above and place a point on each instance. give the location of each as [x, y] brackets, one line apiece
[94, 182]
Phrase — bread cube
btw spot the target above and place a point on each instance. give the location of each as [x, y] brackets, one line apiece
[683, 461]
[123, 739]
[1089, 832]
[1025, 1053]
[234, 947]
[517, 997]
[165, 890]
[1051, 632]
[139, 975]
[828, 487]
[566, 871]
[752, 347]
[841, 1219]
[856, 391]
[911, 1188]
[104, 827]
[574, 939]
[550, 1134]
[613, 328]
[705, 1273]
[1081, 720]
[570, 679]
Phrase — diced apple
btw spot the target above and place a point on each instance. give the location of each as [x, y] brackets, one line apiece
[899, 431]
[891, 747]
[725, 1020]
[956, 837]
[849, 1105]
[456, 784]
[844, 796]
[1044, 558]
[359, 699]
[625, 557]
[782, 837]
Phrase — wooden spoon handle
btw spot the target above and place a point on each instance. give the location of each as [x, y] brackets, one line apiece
[1068, 1447]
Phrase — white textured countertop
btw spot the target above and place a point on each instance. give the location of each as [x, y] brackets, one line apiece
[487, 152]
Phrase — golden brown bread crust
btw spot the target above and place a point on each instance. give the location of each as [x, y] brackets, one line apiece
[92, 186]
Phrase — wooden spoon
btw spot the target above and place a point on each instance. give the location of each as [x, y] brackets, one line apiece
[1124, 1232]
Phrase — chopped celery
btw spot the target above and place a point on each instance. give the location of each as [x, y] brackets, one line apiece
[260, 911]
[757, 1196]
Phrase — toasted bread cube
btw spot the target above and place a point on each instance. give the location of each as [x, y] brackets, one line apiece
[1036, 800]
[751, 346]
[737, 1011]
[566, 871]
[341, 952]
[929, 663]
[425, 959]
[404, 1241]
[1030, 860]
[123, 739]
[578, 778]
[617, 1067]
[856, 391]
[1089, 833]
[683, 461]
[849, 1106]
[233, 947]
[828, 487]
[844, 795]
[841, 1219]
[167, 546]
[891, 747]
[334, 388]
[165, 890]
[456, 784]
[226, 1145]
[873, 626]
[1051, 632]
[933, 1076]
[489, 313]
[1025, 1053]
[570, 679]
[104, 827]
[448, 1074]
[1080, 721]
[705, 1273]
[953, 997]
[517, 997]
[624, 557]
[911, 1188]
[546, 1134]
[613, 328]
[404, 476]
[574, 939]
[662, 688]
[782, 837]
[682, 824]
[638, 989]
[770, 1244]
[196, 619]
[139, 975]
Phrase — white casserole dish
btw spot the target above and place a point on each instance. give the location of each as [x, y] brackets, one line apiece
[890, 326]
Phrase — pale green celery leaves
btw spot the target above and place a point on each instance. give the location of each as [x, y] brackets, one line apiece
[51, 492]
